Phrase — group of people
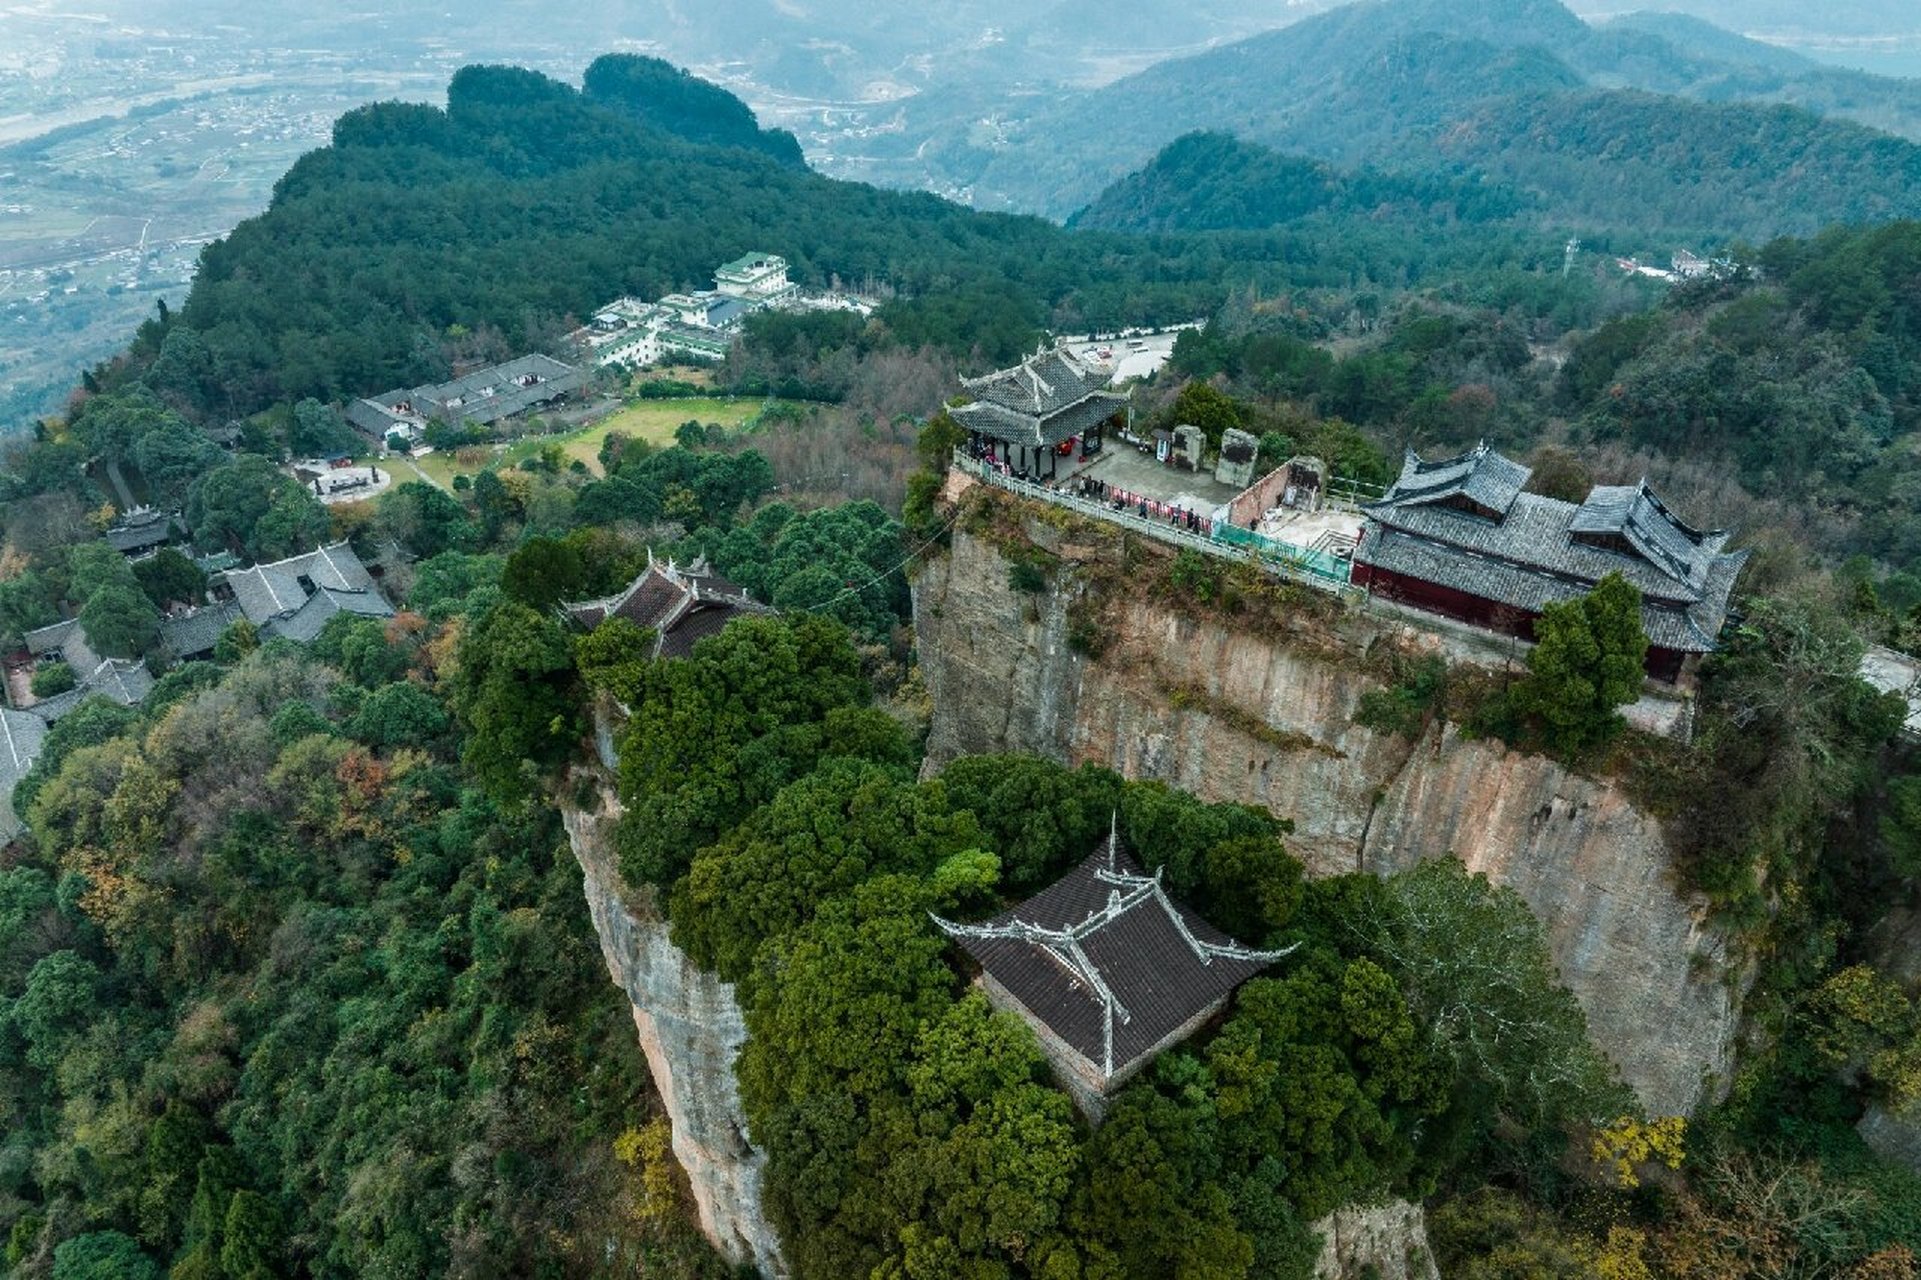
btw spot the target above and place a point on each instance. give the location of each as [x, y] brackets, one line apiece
[1122, 500]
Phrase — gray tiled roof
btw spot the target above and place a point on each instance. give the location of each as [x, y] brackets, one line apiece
[304, 623]
[1018, 428]
[51, 637]
[120, 680]
[268, 591]
[481, 397]
[139, 530]
[1635, 513]
[1041, 401]
[21, 736]
[1480, 474]
[196, 633]
[1107, 961]
[1532, 557]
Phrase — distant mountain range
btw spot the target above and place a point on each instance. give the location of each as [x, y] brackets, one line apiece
[1648, 119]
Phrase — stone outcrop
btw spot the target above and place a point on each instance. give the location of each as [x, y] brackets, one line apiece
[1375, 1242]
[690, 1029]
[1230, 715]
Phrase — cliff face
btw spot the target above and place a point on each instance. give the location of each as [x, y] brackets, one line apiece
[690, 1028]
[1598, 872]
[1385, 1241]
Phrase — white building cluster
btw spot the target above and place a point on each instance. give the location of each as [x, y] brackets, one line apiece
[632, 334]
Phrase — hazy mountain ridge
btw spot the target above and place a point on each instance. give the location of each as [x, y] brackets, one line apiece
[1383, 80]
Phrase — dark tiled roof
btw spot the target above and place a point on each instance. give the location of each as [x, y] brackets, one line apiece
[190, 635]
[1041, 401]
[269, 591]
[484, 396]
[21, 736]
[1481, 475]
[1545, 550]
[53, 636]
[1107, 961]
[139, 530]
[124, 681]
[681, 607]
[304, 623]
[1634, 512]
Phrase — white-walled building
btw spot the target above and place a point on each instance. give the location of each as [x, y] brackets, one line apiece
[759, 279]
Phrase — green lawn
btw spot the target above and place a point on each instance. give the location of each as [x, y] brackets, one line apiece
[652, 420]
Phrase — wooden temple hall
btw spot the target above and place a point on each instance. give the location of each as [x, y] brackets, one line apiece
[1052, 405]
[1107, 970]
[1461, 537]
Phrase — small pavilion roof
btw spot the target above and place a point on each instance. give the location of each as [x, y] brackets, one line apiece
[1043, 400]
[680, 606]
[1107, 962]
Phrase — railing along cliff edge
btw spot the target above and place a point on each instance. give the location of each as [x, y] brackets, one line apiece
[1295, 564]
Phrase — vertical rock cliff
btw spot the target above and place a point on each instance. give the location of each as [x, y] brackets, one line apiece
[1232, 715]
[690, 1028]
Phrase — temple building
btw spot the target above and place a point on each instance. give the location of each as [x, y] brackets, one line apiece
[1023, 416]
[297, 596]
[680, 606]
[1107, 970]
[1461, 539]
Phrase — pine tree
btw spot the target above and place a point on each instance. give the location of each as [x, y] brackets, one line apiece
[1589, 658]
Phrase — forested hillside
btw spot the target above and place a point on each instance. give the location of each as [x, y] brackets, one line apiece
[1215, 182]
[1521, 93]
[526, 203]
[296, 974]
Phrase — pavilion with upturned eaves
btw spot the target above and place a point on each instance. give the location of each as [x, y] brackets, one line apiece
[1023, 416]
[1107, 969]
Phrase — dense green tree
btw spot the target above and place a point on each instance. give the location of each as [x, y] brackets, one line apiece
[55, 1005]
[119, 621]
[1202, 405]
[1588, 659]
[1474, 964]
[171, 457]
[360, 648]
[444, 583]
[1901, 825]
[544, 571]
[844, 562]
[168, 577]
[714, 735]
[817, 838]
[425, 520]
[317, 431]
[53, 678]
[511, 694]
[249, 1237]
[401, 714]
[239, 639]
[614, 657]
[102, 1255]
[1039, 816]
[25, 603]
[251, 506]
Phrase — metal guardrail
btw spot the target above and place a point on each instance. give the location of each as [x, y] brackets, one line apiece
[1296, 564]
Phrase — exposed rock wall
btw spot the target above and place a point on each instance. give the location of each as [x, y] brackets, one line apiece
[1384, 1242]
[690, 1028]
[1635, 952]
